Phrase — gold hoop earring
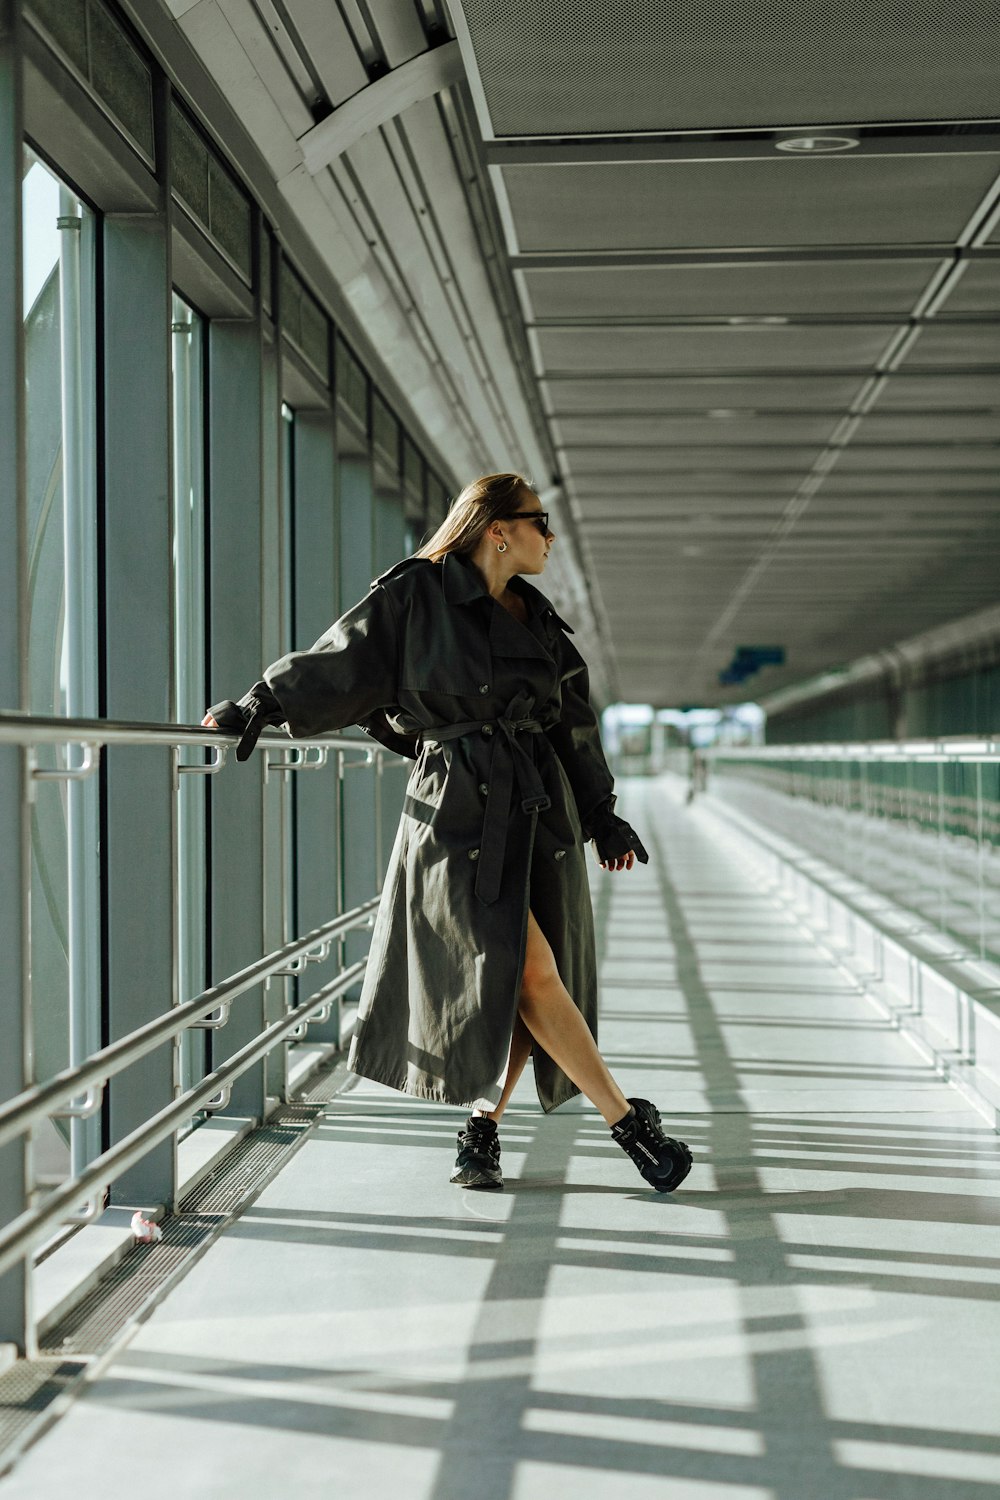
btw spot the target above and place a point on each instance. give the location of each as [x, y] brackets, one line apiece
[501, 546]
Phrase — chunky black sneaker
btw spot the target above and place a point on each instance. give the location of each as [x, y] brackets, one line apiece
[663, 1161]
[478, 1163]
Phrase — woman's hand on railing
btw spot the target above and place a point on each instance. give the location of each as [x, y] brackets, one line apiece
[247, 718]
[208, 722]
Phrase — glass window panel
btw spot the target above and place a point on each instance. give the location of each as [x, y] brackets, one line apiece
[59, 340]
[121, 78]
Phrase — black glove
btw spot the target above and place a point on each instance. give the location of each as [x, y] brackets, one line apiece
[612, 836]
[249, 717]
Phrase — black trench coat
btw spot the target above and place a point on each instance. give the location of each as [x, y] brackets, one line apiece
[508, 767]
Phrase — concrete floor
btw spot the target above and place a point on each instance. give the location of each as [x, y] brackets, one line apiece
[814, 1316]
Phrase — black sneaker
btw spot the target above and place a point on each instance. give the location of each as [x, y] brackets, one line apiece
[663, 1161]
[478, 1163]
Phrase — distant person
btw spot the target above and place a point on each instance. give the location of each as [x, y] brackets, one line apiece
[483, 949]
[697, 774]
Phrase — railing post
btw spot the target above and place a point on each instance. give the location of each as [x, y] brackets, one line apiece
[15, 869]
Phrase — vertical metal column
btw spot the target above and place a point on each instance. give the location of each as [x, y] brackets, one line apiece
[80, 626]
[316, 607]
[361, 876]
[140, 824]
[274, 642]
[15, 870]
[236, 901]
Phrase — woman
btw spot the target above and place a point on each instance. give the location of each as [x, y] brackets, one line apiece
[483, 949]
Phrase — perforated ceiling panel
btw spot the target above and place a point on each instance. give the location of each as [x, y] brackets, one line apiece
[842, 200]
[724, 430]
[702, 393]
[668, 350]
[879, 287]
[925, 392]
[956, 345]
[580, 67]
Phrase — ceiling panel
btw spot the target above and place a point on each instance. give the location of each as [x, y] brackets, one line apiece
[703, 393]
[657, 488]
[695, 460]
[883, 288]
[669, 350]
[978, 289]
[928, 427]
[956, 345]
[928, 479]
[551, 68]
[933, 392]
[919, 456]
[617, 427]
[870, 200]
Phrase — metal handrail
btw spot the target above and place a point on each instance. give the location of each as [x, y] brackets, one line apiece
[29, 1227]
[43, 729]
[972, 748]
[37, 1102]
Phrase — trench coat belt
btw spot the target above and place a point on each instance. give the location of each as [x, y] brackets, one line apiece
[509, 760]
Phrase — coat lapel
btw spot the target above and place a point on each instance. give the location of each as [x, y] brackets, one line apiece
[508, 637]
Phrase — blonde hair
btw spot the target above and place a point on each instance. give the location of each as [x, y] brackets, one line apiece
[490, 498]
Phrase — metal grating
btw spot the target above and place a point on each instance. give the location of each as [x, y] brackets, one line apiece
[139, 1281]
[27, 1392]
[670, 350]
[583, 67]
[133, 1287]
[880, 288]
[869, 200]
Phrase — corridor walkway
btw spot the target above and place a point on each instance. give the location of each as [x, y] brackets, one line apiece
[814, 1316]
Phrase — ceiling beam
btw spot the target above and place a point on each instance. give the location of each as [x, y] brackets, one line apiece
[379, 102]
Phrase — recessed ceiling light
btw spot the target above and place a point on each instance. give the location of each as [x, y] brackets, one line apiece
[749, 322]
[815, 144]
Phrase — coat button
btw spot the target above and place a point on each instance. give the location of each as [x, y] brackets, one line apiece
[484, 788]
[487, 728]
[484, 687]
[473, 853]
[559, 854]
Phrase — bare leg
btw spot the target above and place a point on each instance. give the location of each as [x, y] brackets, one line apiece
[520, 1051]
[550, 1016]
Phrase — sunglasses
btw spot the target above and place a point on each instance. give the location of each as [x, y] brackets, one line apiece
[539, 518]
